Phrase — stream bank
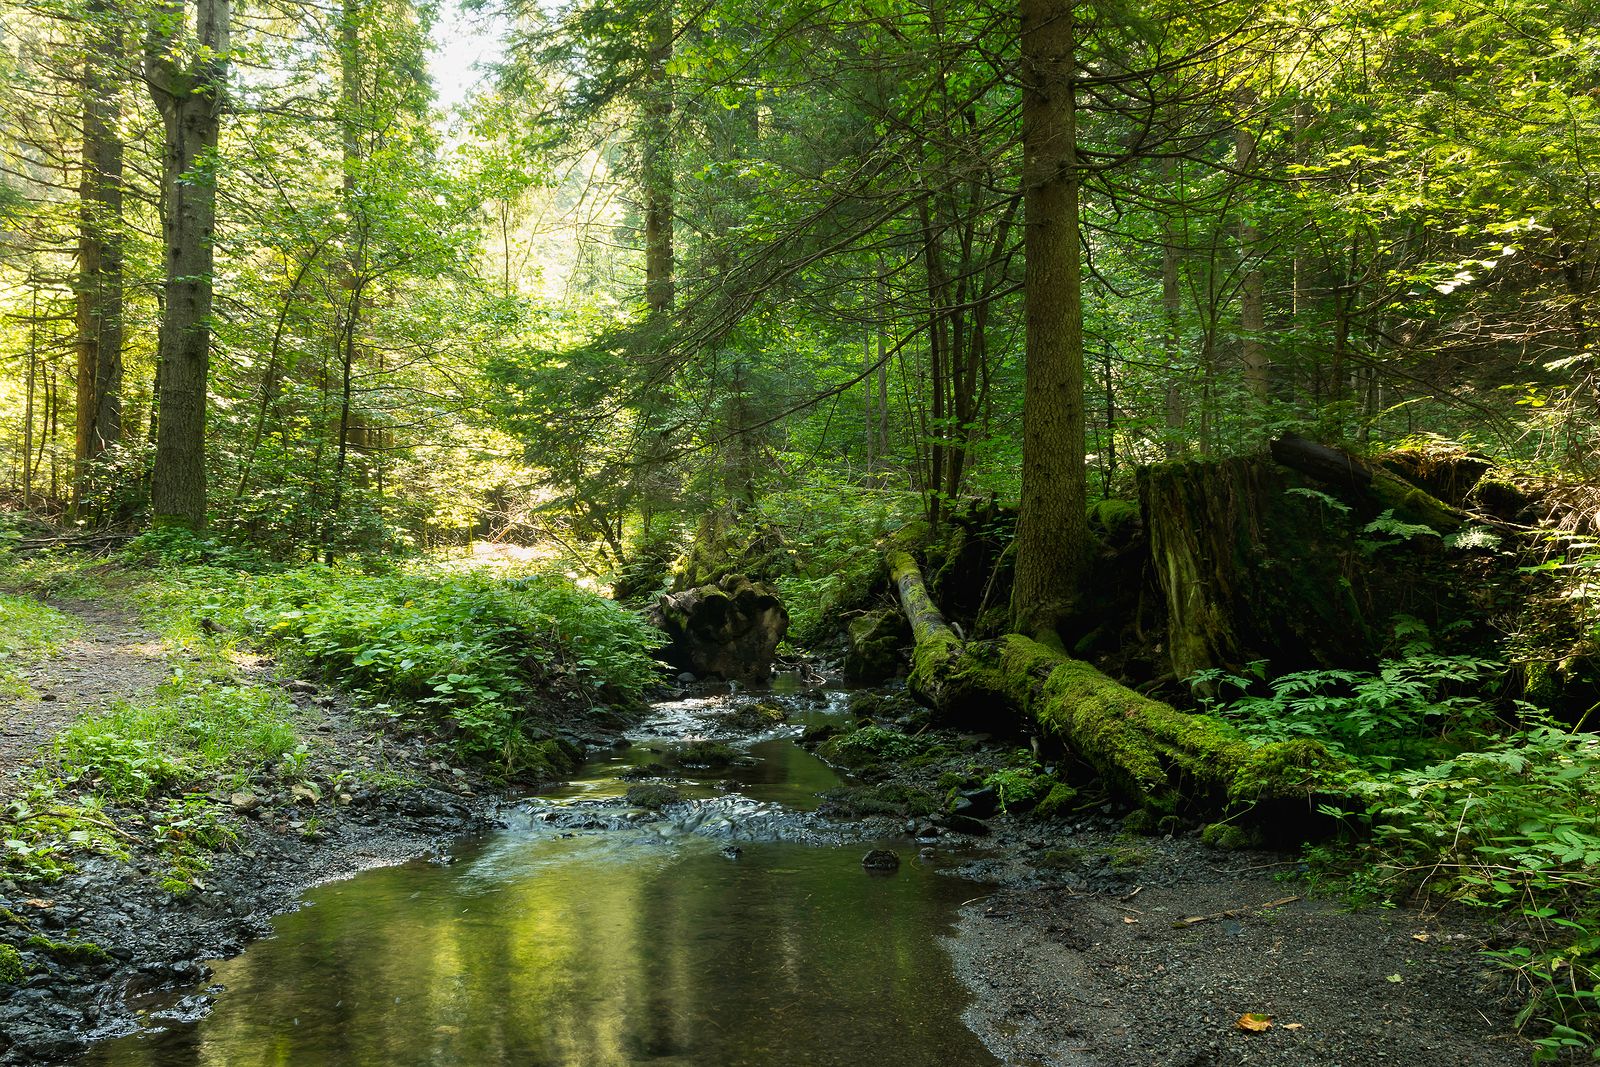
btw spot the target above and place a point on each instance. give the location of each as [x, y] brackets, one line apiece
[1056, 974]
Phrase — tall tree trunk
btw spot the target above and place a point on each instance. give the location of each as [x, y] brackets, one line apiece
[99, 296]
[656, 163]
[1171, 310]
[1052, 529]
[347, 338]
[1252, 301]
[189, 96]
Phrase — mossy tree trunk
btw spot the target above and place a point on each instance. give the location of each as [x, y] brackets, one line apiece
[1144, 750]
[1256, 562]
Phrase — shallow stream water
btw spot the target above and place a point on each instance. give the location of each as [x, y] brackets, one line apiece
[736, 929]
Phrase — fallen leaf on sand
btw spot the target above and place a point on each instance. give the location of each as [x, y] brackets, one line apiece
[1254, 1023]
[1395, 978]
[1129, 919]
[1421, 937]
[1294, 1026]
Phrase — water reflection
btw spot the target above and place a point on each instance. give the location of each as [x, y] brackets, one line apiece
[595, 951]
[775, 771]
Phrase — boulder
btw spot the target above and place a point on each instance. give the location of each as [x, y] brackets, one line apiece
[730, 629]
[878, 640]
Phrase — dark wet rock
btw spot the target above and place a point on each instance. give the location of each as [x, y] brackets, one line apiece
[687, 678]
[877, 643]
[979, 803]
[730, 629]
[963, 824]
[653, 796]
[881, 859]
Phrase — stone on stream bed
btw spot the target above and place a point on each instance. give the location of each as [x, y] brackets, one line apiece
[652, 796]
[881, 859]
[730, 629]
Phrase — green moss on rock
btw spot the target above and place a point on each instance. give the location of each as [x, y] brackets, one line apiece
[652, 796]
[11, 968]
[1230, 836]
[1057, 803]
[68, 951]
[1114, 521]
[876, 641]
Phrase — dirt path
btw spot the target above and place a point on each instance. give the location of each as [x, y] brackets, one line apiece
[114, 657]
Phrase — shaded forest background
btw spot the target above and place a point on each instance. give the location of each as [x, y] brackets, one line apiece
[666, 264]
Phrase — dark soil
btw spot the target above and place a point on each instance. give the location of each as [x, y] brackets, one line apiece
[1106, 967]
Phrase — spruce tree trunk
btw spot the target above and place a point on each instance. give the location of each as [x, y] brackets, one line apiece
[99, 296]
[1052, 527]
[189, 96]
[1252, 298]
[656, 163]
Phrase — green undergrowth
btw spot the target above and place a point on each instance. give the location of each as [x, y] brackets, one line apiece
[469, 656]
[1418, 705]
[832, 534]
[191, 729]
[29, 631]
[150, 773]
[1512, 828]
[1452, 805]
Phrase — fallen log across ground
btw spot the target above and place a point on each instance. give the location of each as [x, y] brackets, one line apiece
[1144, 751]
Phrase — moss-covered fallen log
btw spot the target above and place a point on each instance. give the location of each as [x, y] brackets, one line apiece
[1352, 474]
[944, 674]
[1144, 750]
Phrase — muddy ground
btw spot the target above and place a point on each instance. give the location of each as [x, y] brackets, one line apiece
[1085, 953]
[1161, 962]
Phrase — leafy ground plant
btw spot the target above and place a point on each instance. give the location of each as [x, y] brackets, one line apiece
[1402, 712]
[29, 630]
[1514, 828]
[467, 654]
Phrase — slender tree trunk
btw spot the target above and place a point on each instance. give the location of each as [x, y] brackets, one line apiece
[99, 387]
[1252, 301]
[1172, 310]
[355, 266]
[190, 99]
[656, 163]
[1052, 528]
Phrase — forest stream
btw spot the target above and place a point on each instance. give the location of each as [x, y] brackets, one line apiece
[733, 927]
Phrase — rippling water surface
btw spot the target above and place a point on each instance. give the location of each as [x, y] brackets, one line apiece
[693, 940]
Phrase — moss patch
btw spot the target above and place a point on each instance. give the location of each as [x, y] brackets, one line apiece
[653, 796]
[11, 968]
[68, 951]
[702, 755]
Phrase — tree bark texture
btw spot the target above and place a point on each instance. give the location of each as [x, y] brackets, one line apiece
[187, 78]
[99, 295]
[1052, 528]
[656, 165]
